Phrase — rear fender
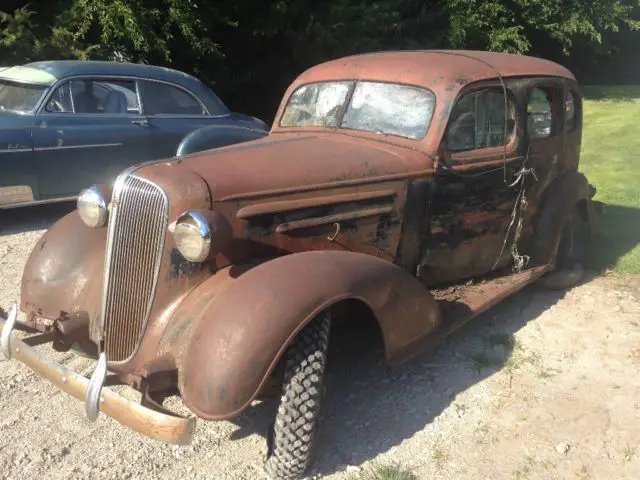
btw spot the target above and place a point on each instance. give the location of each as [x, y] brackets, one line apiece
[230, 332]
[563, 195]
[214, 136]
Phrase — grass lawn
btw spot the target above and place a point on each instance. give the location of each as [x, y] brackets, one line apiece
[611, 160]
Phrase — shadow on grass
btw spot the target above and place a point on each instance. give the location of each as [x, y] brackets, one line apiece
[612, 93]
[617, 233]
[370, 407]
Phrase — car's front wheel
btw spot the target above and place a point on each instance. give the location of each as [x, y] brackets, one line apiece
[573, 251]
[291, 439]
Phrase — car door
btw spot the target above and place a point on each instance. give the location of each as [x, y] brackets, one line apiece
[471, 202]
[88, 131]
[18, 175]
[172, 112]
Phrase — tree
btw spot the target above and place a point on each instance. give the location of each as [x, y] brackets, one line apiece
[250, 50]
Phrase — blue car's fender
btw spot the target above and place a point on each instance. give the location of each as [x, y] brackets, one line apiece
[215, 136]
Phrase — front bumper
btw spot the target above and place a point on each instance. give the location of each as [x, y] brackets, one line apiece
[144, 420]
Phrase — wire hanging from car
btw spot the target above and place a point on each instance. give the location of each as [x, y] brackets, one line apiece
[521, 203]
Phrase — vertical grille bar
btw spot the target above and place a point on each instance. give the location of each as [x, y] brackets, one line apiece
[136, 237]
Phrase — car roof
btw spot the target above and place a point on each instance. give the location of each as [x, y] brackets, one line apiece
[49, 72]
[424, 67]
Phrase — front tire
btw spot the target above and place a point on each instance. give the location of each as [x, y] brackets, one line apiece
[291, 440]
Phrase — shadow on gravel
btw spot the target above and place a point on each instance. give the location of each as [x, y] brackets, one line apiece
[370, 407]
[29, 219]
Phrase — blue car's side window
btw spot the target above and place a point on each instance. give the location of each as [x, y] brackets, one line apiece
[163, 99]
[60, 101]
[80, 96]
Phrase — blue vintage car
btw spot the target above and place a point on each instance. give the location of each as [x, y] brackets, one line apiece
[65, 125]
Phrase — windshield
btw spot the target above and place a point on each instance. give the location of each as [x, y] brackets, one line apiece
[17, 97]
[384, 108]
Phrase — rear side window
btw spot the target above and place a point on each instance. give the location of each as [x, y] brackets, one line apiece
[540, 114]
[478, 121]
[117, 97]
[163, 99]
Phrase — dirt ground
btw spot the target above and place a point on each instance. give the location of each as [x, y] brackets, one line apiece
[544, 386]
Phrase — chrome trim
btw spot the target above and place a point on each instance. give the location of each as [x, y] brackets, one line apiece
[203, 229]
[159, 425]
[5, 337]
[94, 196]
[117, 191]
[16, 150]
[92, 402]
[8, 206]
[117, 187]
[70, 147]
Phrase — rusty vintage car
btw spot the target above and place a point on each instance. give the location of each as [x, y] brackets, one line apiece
[418, 188]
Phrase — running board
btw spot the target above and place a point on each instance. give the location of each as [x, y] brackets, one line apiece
[461, 303]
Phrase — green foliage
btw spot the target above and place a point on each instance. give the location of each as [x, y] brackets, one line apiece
[252, 50]
[514, 25]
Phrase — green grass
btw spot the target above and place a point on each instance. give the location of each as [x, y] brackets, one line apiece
[386, 472]
[610, 159]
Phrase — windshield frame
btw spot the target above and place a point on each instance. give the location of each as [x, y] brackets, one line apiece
[345, 107]
[43, 94]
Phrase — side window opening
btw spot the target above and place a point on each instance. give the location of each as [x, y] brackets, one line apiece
[478, 121]
[163, 99]
[117, 97]
[60, 101]
[105, 96]
[569, 112]
[540, 114]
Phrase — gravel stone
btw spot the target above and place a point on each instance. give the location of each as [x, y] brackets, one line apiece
[390, 418]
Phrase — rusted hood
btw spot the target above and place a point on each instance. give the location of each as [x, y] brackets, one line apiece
[282, 163]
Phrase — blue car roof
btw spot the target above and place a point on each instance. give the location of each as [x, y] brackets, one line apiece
[49, 72]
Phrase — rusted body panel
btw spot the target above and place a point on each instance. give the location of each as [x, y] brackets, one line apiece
[63, 273]
[222, 355]
[316, 216]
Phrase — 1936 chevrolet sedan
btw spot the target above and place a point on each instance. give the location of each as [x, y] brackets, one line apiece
[416, 187]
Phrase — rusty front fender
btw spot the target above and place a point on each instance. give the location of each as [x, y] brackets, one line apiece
[567, 191]
[229, 334]
[64, 270]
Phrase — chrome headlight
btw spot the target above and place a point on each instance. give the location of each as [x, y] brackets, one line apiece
[93, 206]
[200, 234]
[192, 235]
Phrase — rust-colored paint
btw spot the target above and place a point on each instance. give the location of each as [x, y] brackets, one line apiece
[228, 356]
[314, 216]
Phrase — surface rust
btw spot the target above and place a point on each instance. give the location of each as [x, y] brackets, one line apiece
[316, 216]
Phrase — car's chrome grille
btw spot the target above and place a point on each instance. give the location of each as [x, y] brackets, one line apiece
[137, 229]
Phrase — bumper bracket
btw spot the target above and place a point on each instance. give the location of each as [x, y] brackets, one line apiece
[160, 426]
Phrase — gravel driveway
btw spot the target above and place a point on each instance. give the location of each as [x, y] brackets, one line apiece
[546, 385]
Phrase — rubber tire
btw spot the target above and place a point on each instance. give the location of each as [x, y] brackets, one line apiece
[291, 439]
[572, 254]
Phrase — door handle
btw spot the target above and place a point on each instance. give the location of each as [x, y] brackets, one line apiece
[142, 123]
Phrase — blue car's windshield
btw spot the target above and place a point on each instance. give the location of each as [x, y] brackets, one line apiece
[19, 97]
